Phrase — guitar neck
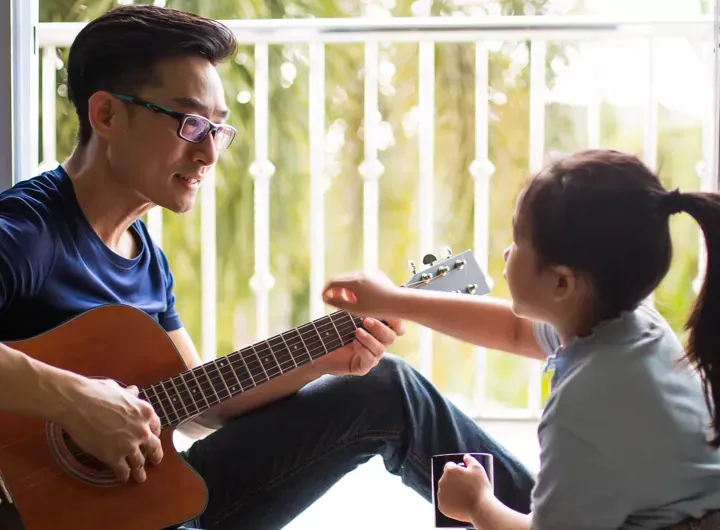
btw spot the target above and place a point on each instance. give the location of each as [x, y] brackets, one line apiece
[190, 393]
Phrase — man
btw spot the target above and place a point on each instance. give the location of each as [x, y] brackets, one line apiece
[152, 116]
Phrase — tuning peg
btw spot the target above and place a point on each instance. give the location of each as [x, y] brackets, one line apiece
[429, 259]
[411, 264]
[448, 253]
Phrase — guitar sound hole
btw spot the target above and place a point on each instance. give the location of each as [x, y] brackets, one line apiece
[80, 456]
[75, 462]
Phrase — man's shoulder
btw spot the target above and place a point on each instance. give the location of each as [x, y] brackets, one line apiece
[31, 213]
[35, 200]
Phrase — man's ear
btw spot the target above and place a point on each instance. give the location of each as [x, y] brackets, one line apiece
[566, 282]
[107, 114]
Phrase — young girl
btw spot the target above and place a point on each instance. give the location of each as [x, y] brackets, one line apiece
[629, 435]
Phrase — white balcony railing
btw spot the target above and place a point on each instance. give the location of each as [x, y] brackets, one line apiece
[316, 33]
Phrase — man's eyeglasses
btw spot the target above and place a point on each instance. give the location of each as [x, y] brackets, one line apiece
[193, 128]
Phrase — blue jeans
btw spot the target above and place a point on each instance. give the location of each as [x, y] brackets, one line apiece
[266, 467]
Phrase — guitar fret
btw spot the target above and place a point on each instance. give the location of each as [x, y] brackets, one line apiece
[247, 368]
[312, 341]
[218, 382]
[351, 334]
[269, 364]
[297, 332]
[320, 337]
[192, 399]
[239, 383]
[282, 352]
[288, 350]
[159, 400]
[182, 401]
[161, 413]
[219, 365]
[177, 416]
[327, 340]
[197, 382]
[212, 387]
[267, 378]
[274, 357]
[336, 330]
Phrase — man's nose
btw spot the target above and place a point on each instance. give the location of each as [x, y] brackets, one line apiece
[206, 152]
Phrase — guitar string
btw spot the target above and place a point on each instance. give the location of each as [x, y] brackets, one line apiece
[344, 333]
[251, 360]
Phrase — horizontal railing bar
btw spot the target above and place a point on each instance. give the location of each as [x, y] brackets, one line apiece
[438, 29]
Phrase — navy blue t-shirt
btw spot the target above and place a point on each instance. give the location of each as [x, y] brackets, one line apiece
[53, 266]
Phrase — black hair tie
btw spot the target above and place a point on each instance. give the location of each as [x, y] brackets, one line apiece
[671, 202]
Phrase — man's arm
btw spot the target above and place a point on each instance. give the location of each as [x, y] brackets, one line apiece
[107, 421]
[31, 388]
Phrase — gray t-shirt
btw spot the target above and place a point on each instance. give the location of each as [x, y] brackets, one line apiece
[623, 437]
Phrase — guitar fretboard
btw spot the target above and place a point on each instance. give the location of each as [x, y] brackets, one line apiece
[190, 393]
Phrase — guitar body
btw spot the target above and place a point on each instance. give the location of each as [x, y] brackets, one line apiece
[51, 485]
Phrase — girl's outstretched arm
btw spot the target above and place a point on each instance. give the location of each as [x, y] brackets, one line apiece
[483, 321]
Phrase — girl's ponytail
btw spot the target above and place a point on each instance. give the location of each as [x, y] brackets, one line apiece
[704, 322]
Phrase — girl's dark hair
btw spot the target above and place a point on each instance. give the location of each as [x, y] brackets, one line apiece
[605, 214]
[118, 50]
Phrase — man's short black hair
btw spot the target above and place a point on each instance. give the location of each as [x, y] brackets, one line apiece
[118, 51]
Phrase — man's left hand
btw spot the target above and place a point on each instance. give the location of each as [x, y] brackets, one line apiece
[362, 354]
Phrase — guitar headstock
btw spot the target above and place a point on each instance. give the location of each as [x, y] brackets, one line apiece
[457, 274]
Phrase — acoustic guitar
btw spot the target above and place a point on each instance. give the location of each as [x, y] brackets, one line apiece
[48, 483]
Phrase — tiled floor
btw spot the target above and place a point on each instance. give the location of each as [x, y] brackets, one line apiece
[372, 499]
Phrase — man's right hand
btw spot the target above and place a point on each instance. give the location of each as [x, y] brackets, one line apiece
[115, 426]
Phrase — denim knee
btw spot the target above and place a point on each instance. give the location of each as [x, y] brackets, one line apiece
[404, 389]
[390, 365]
[381, 394]
[392, 374]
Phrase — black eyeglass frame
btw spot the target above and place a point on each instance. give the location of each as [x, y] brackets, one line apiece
[181, 117]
